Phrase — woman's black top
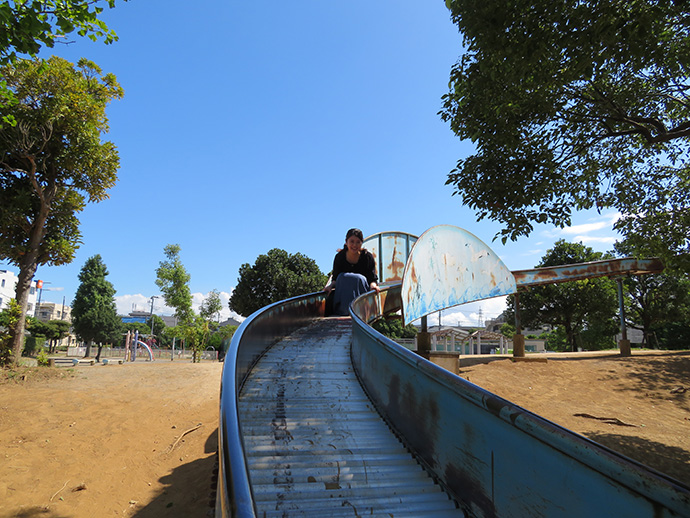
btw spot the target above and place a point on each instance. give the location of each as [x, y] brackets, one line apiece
[365, 266]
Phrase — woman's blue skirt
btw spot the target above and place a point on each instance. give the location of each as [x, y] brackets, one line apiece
[348, 286]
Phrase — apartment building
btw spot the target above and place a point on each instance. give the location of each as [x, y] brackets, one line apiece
[47, 311]
[8, 285]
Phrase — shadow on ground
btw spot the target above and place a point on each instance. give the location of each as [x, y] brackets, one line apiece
[670, 460]
[189, 490]
[35, 512]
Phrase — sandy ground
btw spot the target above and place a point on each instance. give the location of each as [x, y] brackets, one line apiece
[638, 406]
[98, 441]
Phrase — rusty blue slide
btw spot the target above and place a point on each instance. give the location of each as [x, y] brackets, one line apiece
[324, 416]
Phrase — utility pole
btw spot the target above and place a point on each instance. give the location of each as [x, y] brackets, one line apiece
[151, 317]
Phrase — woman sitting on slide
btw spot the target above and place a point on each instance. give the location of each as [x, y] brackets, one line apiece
[354, 273]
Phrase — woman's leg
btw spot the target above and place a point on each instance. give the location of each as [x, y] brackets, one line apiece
[348, 286]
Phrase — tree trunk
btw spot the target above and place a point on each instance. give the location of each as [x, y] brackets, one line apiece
[29, 261]
[88, 349]
[570, 336]
[26, 274]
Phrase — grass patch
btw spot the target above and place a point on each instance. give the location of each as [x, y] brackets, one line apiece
[23, 375]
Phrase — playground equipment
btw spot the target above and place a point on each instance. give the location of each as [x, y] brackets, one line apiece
[132, 342]
[297, 436]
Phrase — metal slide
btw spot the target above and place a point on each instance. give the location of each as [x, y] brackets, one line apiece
[316, 446]
[324, 417]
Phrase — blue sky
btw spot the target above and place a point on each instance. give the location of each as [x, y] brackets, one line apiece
[248, 126]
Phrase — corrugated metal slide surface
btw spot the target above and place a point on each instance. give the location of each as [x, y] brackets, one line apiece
[315, 444]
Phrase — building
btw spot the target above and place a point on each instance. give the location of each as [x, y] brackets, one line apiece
[230, 322]
[47, 311]
[8, 286]
[137, 316]
[144, 316]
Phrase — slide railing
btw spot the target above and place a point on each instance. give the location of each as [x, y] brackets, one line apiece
[256, 334]
[495, 458]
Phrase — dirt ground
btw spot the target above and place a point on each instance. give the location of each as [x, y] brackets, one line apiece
[110, 440]
[638, 406]
[100, 442]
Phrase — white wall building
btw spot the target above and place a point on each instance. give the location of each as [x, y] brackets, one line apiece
[8, 284]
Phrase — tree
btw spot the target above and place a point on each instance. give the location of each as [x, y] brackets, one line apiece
[25, 26]
[51, 164]
[94, 315]
[143, 327]
[575, 305]
[198, 331]
[8, 320]
[173, 280]
[274, 276]
[219, 336]
[211, 306]
[654, 301]
[53, 331]
[575, 105]
[159, 326]
[393, 328]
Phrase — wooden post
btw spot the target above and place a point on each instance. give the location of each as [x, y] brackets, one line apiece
[623, 343]
[518, 338]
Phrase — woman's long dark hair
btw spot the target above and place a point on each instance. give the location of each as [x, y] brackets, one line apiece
[354, 232]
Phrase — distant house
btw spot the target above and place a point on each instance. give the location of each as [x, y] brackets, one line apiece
[229, 322]
[47, 311]
[8, 286]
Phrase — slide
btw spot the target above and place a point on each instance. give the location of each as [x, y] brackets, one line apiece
[324, 416]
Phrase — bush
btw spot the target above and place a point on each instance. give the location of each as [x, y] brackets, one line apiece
[8, 319]
[393, 328]
[42, 358]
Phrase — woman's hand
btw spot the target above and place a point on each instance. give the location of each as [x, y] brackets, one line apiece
[375, 287]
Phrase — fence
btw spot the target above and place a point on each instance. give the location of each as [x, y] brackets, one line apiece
[164, 354]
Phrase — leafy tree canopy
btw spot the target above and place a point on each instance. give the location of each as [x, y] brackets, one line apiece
[575, 105]
[143, 327]
[52, 330]
[211, 305]
[576, 305]
[393, 328]
[94, 315]
[655, 301]
[274, 276]
[26, 26]
[159, 326]
[52, 162]
[173, 280]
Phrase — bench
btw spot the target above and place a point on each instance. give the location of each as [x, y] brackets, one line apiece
[70, 362]
[119, 361]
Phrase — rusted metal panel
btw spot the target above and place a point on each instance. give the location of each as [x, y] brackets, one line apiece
[575, 272]
[496, 458]
[390, 250]
[449, 266]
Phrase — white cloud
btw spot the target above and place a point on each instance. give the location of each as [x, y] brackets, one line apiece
[597, 231]
[137, 302]
[606, 240]
[585, 228]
